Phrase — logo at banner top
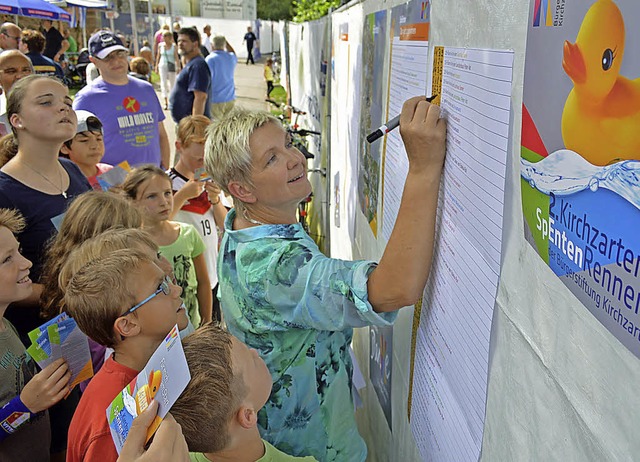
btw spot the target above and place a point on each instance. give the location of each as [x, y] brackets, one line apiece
[424, 8]
[542, 13]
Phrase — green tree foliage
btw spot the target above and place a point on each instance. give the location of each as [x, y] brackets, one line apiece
[275, 10]
[308, 10]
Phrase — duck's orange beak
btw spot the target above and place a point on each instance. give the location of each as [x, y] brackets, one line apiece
[573, 63]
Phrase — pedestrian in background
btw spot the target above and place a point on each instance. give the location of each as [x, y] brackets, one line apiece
[10, 36]
[190, 94]
[167, 64]
[249, 38]
[268, 75]
[55, 43]
[222, 64]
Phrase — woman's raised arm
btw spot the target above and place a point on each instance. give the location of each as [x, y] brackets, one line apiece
[404, 268]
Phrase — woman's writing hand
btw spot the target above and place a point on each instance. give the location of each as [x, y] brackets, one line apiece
[47, 387]
[424, 134]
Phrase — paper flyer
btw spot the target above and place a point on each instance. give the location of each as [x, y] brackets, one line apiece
[114, 177]
[201, 174]
[580, 151]
[62, 338]
[164, 378]
[38, 331]
[57, 220]
[68, 341]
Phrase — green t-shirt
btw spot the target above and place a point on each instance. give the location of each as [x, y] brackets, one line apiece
[73, 45]
[271, 454]
[180, 254]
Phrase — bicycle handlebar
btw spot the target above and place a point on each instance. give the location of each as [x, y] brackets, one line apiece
[294, 109]
[304, 132]
[305, 152]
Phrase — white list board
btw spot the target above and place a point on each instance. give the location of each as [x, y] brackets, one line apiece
[452, 341]
[408, 78]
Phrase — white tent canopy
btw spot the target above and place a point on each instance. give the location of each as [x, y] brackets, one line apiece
[88, 3]
[82, 3]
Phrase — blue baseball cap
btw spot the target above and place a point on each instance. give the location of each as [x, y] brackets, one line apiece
[104, 42]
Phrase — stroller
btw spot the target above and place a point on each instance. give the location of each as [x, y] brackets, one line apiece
[76, 74]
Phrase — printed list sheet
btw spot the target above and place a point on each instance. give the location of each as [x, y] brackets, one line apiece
[408, 78]
[452, 344]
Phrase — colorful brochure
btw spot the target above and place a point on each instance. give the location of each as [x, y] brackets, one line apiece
[164, 378]
[114, 177]
[62, 338]
[201, 175]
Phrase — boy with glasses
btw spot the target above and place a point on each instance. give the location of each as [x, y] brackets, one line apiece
[128, 107]
[126, 302]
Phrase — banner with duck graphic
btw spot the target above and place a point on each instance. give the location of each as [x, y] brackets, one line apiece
[580, 164]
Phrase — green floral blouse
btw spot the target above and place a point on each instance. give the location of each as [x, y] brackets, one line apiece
[297, 307]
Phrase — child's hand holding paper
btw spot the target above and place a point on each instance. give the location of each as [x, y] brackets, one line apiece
[47, 387]
[168, 444]
[61, 337]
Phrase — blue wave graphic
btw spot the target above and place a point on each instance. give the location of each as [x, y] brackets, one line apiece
[565, 172]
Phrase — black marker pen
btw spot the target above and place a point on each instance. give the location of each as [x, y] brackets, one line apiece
[390, 125]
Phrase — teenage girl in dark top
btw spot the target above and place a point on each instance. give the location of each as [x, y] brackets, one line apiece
[40, 185]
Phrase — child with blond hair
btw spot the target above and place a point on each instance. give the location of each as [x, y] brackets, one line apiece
[24, 394]
[150, 189]
[125, 301]
[196, 202]
[219, 409]
[88, 216]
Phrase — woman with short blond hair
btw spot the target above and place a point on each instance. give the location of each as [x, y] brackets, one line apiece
[294, 305]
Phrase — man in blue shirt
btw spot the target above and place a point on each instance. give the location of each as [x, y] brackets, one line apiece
[191, 91]
[222, 64]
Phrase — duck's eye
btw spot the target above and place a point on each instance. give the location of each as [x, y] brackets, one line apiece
[607, 59]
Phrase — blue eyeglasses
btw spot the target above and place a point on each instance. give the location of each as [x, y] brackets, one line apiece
[164, 288]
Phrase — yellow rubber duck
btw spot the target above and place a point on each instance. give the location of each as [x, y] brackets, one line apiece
[602, 113]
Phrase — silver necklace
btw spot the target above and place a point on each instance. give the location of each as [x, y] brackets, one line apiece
[249, 219]
[62, 191]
